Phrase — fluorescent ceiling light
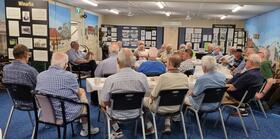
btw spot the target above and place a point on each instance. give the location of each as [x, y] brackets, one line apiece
[114, 11]
[223, 17]
[167, 13]
[236, 8]
[90, 2]
[160, 5]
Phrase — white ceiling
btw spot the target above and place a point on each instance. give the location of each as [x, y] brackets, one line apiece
[205, 9]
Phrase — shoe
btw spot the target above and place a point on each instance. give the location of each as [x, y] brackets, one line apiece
[243, 112]
[93, 131]
[116, 135]
[167, 130]
[149, 131]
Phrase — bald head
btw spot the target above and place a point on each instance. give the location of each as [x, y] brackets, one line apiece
[114, 48]
[59, 59]
[125, 58]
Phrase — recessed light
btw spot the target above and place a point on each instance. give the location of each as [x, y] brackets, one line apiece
[223, 17]
[90, 2]
[236, 8]
[114, 11]
[160, 5]
[167, 13]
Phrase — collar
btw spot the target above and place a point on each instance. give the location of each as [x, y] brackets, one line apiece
[127, 69]
[55, 67]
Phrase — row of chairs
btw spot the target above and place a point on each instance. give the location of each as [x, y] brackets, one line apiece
[41, 104]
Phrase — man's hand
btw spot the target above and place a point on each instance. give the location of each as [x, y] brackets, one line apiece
[230, 87]
[259, 95]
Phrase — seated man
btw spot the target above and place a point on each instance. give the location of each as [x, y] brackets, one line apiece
[173, 79]
[126, 80]
[228, 60]
[241, 67]
[252, 77]
[57, 81]
[167, 53]
[210, 79]
[187, 63]
[19, 72]
[217, 53]
[152, 66]
[140, 52]
[81, 60]
[109, 65]
[238, 58]
[268, 92]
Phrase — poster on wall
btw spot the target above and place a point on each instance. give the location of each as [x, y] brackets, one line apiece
[22, 26]
[3, 38]
[60, 27]
[91, 31]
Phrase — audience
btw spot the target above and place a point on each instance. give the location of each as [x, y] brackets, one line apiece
[217, 53]
[140, 52]
[167, 53]
[152, 66]
[162, 50]
[210, 79]
[19, 72]
[173, 79]
[187, 63]
[252, 77]
[126, 80]
[57, 81]
[210, 48]
[238, 58]
[81, 60]
[228, 60]
[241, 67]
[182, 46]
[109, 65]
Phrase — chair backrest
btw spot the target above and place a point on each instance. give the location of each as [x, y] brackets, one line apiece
[46, 107]
[171, 97]
[214, 95]
[152, 74]
[251, 92]
[189, 72]
[20, 93]
[127, 101]
[107, 75]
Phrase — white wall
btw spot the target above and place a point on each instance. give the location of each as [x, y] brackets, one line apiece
[161, 20]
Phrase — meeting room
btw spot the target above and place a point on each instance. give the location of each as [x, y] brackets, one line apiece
[139, 69]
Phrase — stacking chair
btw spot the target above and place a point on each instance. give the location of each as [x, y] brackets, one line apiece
[174, 97]
[22, 101]
[152, 74]
[259, 103]
[124, 102]
[189, 72]
[212, 95]
[75, 69]
[48, 114]
[248, 96]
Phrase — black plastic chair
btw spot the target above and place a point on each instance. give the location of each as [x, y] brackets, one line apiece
[123, 102]
[22, 100]
[189, 72]
[211, 95]
[152, 74]
[246, 99]
[174, 97]
[48, 115]
[76, 69]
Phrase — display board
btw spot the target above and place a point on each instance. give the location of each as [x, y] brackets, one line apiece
[129, 36]
[27, 23]
[239, 38]
[109, 34]
[149, 36]
[194, 36]
[223, 35]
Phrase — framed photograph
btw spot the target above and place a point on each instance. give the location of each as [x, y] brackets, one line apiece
[154, 33]
[40, 43]
[12, 41]
[25, 30]
[25, 16]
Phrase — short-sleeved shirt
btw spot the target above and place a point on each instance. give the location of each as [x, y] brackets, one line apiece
[57, 81]
[152, 67]
[237, 62]
[107, 66]
[242, 83]
[126, 80]
[75, 55]
[186, 65]
[20, 73]
[266, 69]
[212, 79]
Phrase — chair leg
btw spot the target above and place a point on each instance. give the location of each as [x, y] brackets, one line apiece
[199, 125]
[65, 132]
[30, 117]
[223, 124]
[135, 128]
[143, 127]
[242, 122]
[109, 128]
[72, 128]
[8, 122]
[183, 124]
[35, 132]
[155, 125]
[254, 118]
[262, 109]
[58, 132]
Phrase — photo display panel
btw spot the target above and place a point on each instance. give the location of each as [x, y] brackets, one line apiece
[27, 23]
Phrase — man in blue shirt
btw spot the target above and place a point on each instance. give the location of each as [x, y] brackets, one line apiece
[57, 81]
[19, 72]
[81, 60]
[152, 66]
[210, 79]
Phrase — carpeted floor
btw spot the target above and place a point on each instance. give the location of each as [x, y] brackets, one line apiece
[21, 128]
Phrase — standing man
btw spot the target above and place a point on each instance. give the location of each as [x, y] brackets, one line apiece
[19, 72]
[81, 60]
